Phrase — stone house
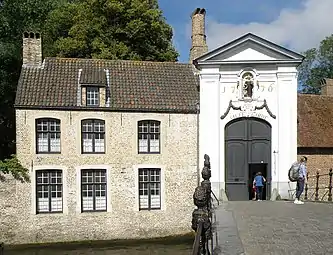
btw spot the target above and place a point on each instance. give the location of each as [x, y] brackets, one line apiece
[111, 147]
[114, 147]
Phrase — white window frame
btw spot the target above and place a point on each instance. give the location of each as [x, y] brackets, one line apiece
[34, 188]
[91, 91]
[94, 139]
[78, 170]
[136, 177]
[149, 139]
[48, 134]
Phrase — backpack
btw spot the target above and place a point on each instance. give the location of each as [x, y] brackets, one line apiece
[293, 173]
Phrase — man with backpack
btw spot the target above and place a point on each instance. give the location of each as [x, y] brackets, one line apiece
[301, 181]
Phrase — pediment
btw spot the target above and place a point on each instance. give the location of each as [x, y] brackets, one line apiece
[249, 48]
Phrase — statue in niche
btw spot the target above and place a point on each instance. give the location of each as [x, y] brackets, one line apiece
[248, 84]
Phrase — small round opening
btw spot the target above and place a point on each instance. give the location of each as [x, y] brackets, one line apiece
[26, 35]
[37, 35]
[32, 35]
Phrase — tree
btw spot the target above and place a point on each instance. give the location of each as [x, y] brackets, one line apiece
[109, 29]
[318, 64]
[13, 166]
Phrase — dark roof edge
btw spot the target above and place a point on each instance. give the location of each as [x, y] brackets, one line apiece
[104, 109]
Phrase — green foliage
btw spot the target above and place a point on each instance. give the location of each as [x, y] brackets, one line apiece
[109, 29]
[318, 64]
[13, 166]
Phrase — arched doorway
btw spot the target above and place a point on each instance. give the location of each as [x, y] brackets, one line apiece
[247, 151]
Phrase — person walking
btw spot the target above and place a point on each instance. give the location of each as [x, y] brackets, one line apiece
[258, 182]
[301, 180]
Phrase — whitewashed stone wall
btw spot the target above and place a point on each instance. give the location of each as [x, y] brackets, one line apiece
[278, 86]
[177, 160]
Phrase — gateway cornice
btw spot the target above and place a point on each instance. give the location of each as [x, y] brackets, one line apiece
[246, 62]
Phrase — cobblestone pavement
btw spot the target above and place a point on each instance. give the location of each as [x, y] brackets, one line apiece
[277, 228]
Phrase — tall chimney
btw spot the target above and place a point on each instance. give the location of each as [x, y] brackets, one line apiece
[199, 45]
[32, 49]
[326, 87]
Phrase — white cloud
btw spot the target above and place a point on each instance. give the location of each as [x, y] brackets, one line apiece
[299, 29]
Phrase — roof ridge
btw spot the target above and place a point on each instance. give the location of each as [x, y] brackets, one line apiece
[115, 60]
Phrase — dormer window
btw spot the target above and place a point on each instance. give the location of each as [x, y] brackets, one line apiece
[92, 96]
[94, 87]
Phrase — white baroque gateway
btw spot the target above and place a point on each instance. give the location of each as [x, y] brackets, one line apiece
[248, 115]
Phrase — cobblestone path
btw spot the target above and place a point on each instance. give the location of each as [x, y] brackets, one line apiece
[280, 227]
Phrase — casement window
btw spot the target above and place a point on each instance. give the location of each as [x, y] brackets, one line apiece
[149, 188]
[93, 190]
[49, 191]
[47, 135]
[149, 136]
[93, 136]
[92, 96]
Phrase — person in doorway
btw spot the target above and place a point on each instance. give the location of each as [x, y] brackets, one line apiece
[254, 192]
[301, 180]
[258, 182]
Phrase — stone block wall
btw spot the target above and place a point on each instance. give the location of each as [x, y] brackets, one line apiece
[122, 219]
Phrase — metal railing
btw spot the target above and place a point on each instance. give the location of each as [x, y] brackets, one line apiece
[204, 217]
[318, 187]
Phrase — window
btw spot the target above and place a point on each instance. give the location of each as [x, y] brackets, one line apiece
[93, 190]
[92, 97]
[49, 191]
[93, 134]
[48, 135]
[149, 188]
[149, 136]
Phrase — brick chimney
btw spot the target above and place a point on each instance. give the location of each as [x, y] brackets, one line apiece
[32, 49]
[326, 87]
[199, 45]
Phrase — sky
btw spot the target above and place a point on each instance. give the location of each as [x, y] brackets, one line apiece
[295, 24]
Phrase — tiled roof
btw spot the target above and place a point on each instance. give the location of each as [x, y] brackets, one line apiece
[134, 85]
[149, 86]
[315, 121]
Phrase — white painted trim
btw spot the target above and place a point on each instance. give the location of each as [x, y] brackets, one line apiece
[221, 49]
[64, 186]
[136, 186]
[108, 185]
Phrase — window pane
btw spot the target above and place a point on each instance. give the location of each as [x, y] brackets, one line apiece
[99, 126]
[87, 142]
[42, 125]
[54, 125]
[42, 142]
[143, 145]
[99, 143]
[154, 145]
[87, 126]
[87, 176]
[55, 142]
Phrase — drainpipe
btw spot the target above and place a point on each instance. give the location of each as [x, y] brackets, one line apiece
[198, 153]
